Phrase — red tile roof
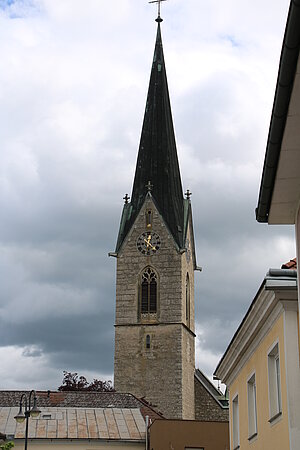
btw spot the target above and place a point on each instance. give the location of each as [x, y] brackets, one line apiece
[292, 264]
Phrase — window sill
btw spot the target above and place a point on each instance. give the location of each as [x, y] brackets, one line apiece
[273, 418]
[251, 438]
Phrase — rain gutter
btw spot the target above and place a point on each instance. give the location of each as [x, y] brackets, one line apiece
[286, 278]
[284, 87]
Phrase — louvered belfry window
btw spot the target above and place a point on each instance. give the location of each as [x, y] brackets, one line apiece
[149, 291]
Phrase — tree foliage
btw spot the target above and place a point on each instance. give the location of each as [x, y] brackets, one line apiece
[74, 382]
[7, 446]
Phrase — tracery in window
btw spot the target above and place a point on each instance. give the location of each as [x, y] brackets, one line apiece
[149, 291]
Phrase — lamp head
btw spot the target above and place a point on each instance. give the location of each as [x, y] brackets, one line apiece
[34, 412]
[20, 417]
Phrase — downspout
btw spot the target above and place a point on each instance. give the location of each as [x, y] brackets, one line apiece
[147, 436]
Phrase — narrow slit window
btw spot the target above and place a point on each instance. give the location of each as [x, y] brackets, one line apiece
[187, 300]
[148, 341]
[149, 218]
[149, 291]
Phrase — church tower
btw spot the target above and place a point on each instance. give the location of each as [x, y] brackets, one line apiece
[155, 327]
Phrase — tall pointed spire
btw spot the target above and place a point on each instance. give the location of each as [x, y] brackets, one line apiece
[157, 160]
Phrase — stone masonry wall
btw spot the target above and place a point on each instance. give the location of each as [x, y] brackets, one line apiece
[188, 371]
[131, 263]
[187, 267]
[162, 374]
[154, 374]
[188, 344]
[206, 407]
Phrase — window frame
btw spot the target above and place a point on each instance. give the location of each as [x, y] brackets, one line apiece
[149, 218]
[252, 406]
[149, 312]
[148, 342]
[274, 382]
[235, 422]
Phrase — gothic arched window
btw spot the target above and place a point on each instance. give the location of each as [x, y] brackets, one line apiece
[149, 291]
[187, 300]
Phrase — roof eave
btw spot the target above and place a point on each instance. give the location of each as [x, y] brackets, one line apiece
[210, 388]
[267, 297]
[285, 81]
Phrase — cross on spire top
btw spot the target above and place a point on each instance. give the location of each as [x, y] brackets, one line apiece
[188, 194]
[126, 198]
[149, 186]
[159, 19]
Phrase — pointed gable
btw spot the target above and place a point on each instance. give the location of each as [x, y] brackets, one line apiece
[157, 160]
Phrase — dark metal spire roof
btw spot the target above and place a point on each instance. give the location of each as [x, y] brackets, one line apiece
[157, 160]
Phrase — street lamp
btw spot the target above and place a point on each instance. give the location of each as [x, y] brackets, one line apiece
[28, 411]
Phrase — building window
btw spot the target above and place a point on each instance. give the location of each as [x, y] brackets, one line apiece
[235, 423]
[149, 218]
[149, 291]
[274, 383]
[148, 341]
[252, 411]
[187, 300]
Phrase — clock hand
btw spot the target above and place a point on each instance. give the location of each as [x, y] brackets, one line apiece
[148, 240]
[149, 244]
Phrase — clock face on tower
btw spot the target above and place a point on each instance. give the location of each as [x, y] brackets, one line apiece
[148, 243]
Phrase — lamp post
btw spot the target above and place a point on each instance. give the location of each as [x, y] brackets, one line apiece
[28, 411]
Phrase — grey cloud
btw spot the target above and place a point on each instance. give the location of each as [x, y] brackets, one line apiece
[71, 116]
[32, 352]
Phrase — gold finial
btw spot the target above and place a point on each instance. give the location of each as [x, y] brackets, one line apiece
[159, 19]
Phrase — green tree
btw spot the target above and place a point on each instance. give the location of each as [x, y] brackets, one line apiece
[7, 445]
[73, 382]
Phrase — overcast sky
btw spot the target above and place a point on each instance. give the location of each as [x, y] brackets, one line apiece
[73, 83]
